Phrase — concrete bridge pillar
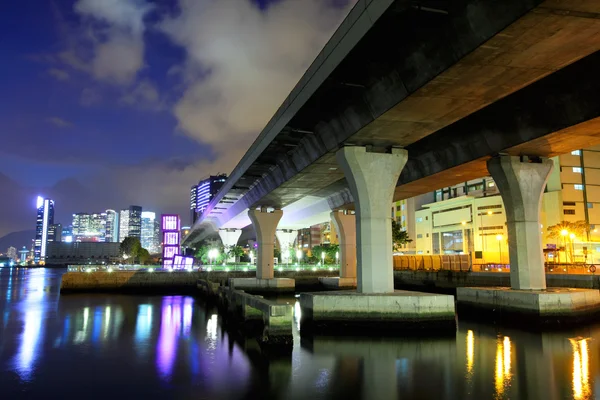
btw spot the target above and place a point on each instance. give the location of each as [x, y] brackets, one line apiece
[230, 238]
[372, 178]
[286, 239]
[345, 225]
[521, 182]
[265, 224]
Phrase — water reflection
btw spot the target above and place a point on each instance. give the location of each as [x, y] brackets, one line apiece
[581, 385]
[179, 349]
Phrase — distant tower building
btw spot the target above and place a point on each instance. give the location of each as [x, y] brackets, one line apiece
[130, 223]
[202, 193]
[97, 228]
[150, 232]
[67, 234]
[112, 226]
[12, 253]
[123, 225]
[45, 218]
[55, 233]
[23, 253]
[81, 225]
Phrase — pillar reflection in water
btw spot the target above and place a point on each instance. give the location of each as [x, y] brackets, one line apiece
[32, 324]
[581, 383]
[176, 319]
[503, 363]
[470, 352]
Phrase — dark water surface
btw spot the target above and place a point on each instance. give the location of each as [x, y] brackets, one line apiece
[172, 347]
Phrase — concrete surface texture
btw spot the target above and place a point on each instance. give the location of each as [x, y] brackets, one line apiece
[265, 225]
[337, 283]
[400, 306]
[345, 226]
[372, 178]
[521, 182]
[263, 285]
[550, 302]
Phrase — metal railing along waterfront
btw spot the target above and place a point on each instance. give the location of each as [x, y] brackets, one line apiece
[207, 268]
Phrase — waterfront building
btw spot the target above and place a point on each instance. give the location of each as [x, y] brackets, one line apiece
[55, 233]
[67, 234]
[171, 238]
[112, 226]
[89, 227]
[202, 193]
[123, 225]
[11, 253]
[45, 218]
[469, 218]
[23, 254]
[150, 237]
[61, 253]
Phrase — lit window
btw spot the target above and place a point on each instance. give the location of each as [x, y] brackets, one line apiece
[576, 152]
[577, 170]
[578, 187]
[491, 184]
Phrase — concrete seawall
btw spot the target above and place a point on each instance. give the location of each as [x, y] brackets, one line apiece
[143, 281]
[450, 280]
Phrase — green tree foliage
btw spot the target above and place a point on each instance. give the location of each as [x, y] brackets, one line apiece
[579, 228]
[130, 248]
[202, 254]
[237, 252]
[143, 256]
[399, 236]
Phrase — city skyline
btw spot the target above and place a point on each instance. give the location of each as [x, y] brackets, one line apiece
[148, 107]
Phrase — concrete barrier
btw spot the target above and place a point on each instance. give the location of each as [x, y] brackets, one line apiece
[277, 318]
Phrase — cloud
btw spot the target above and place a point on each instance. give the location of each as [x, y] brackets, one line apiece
[242, 62]
[58, 74]
[144, 95]
[59, 122]
[89, 97]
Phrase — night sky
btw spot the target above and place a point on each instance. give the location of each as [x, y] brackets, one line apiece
[107, 103]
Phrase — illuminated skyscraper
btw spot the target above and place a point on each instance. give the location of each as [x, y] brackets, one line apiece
[150, 232]
[171, 238]
[130, 223]
[55, 233]
[89, 227]
[45, 218]
[112, 226]
[202, 193]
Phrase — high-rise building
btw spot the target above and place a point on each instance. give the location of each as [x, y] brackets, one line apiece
[12, 253]
[89, 227]
[55, 233]
[150, 232]
[202, 193]
[23, 254]
[67, 234]
[45, 218]
[112, 226]
[123, 224]
[130, 223]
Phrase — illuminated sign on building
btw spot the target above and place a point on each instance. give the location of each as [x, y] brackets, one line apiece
[171, 238]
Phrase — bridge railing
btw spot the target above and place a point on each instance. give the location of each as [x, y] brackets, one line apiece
[442, 262]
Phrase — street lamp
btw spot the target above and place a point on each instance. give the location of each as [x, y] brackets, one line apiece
[337, 256]
[564, 234]
[323, 258]
[299, 256]
[251, 257]
[499, 238]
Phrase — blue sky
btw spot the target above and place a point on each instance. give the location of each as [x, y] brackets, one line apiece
[106, 103]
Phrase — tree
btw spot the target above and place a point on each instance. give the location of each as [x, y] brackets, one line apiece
[144, 256]
[399, 236]
[563, 231]
[237, 252]
[130, 248]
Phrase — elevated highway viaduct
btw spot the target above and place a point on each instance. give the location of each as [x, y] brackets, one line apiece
[423, 95]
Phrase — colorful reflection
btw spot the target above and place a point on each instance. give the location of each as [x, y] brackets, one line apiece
[581, 371]
[503, 363]
[470, 352]
[176, 321]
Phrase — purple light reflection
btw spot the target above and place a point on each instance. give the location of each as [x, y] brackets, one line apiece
[176, 321]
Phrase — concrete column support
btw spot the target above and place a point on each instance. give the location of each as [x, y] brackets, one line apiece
[521, 182]
[230, 238]
[372, 178]
[286, 239]
[345, 225]
[265, 224]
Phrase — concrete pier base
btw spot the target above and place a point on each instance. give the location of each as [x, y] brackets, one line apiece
[529, 307]
[255, 285]
[364, 312]
[333, 282]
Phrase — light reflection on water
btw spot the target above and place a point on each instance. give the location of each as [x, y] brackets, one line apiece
[173, 347]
